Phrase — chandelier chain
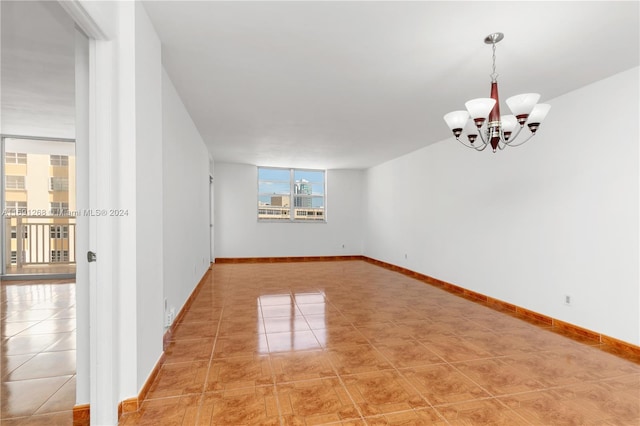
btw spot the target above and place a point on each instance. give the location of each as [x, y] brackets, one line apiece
[494, 74]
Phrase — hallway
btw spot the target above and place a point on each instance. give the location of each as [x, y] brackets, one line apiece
[38, 325]
[352, 343]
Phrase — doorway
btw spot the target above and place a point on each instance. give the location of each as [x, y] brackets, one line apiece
[44, 318]
[39, 202]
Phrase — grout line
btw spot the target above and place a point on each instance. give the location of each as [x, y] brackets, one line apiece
[370, 343]
[269, 354]
[51, 396]
[211, 356]
[403, 377]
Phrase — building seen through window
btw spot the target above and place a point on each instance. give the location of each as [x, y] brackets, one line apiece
[277, 188]
[39, 194]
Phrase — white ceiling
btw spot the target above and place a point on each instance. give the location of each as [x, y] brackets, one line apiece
[38, 70]
[329, 84]
[354, 84]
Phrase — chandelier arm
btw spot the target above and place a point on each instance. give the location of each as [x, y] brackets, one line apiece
[513, 137]
[525, 140]
[480, 132]
[484, 145]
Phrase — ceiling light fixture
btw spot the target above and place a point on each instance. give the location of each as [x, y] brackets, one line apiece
[498, 130]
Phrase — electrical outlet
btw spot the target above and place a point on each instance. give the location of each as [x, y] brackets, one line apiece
[405, 256]
[567, 299]
[170, 316]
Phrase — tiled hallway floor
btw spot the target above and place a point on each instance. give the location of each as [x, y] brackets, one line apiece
[355, 344]
[38, 353]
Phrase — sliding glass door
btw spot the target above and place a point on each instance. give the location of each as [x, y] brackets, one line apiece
[39, 211]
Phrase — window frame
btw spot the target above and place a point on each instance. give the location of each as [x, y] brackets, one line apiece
[13, 233]
[58, 184]
[58, 208]
[59, 256]
[56, 160]
[15, 208]
[59, 232]
[293, 195]
[15, 183]
[15, 158]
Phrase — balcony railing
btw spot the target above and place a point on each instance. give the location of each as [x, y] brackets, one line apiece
[40, 240]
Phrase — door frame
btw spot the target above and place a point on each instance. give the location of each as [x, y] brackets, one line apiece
[211, 220]
[101, 354]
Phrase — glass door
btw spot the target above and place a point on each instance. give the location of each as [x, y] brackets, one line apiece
[39, 212]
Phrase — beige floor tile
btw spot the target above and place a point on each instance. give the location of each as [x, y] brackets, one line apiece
[443, 384]
[239, 372]
[247, 406]
[352, 359]
[179, 379]
[408, 354]
[235, 345]
[188, 350]
[292, 341]
[383, 392]
[420, 417]
[315, 402]
[299, 366]
[497, 377]
[339, 336]
[484, 412]
[342, 343]
[24, 397]
[176, 411]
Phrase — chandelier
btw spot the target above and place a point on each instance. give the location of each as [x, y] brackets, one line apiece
[497, 131]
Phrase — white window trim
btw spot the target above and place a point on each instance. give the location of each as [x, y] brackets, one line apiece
[52, 186]
[15, 157]
[56, 160]
[58, 208]
[15, 183]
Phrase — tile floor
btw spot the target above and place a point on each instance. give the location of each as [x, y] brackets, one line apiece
[351, 343]
[55, 268]
[38, 353]
[345, 343]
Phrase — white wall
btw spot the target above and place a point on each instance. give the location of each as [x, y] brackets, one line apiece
[527, 225]
[238, 233]
[185, 209]
[83, 318]
[149, 195]
[120, 163]
[126, 314]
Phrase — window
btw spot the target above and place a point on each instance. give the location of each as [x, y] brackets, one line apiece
[59, 255]
[59, 160]
[15, 158]
[59, 231]
[16, 208]
[58, 208]
[277, 188]
[14, 182]
[58, 184]
[25, 232]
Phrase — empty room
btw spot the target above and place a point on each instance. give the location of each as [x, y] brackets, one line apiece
[306, 213]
